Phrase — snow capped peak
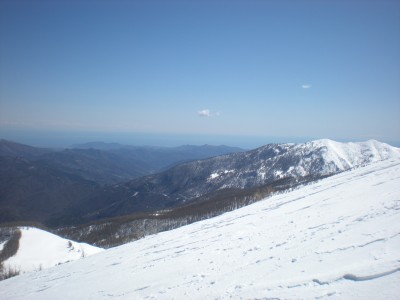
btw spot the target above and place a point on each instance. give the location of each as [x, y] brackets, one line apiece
[349, 155]
[273, 162]
[369, 143]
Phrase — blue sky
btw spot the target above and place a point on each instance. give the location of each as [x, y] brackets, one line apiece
[283, 69]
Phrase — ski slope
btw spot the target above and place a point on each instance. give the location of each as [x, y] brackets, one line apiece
[338, 238]
[39, 249]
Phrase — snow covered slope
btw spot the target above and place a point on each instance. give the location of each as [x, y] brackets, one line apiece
[344, 156]
[39, 249]
[322, 157]
[338, 238]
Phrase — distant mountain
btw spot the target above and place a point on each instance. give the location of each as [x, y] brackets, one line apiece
[34, 190]
[111, 162]
[202, 151]
[151, 159]
[199, 180]
[100, 166]
[99, 146]
[36, 183]
[11, 149]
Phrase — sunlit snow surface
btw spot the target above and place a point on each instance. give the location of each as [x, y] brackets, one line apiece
[336, 239]
[39, 249]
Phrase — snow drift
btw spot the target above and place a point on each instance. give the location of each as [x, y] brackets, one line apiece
[338, 238]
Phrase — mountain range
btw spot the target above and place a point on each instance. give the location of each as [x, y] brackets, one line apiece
[58, 188]
[201, 180]
[36, 183]
[108, 163]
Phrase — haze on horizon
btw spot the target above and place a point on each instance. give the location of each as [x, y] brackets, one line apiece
[200, 70]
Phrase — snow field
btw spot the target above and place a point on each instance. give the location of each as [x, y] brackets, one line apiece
[39, 249]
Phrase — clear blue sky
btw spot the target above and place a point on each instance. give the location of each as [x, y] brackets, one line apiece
[287, 69]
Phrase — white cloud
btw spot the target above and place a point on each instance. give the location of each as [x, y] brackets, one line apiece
[204, 113]
[207, 113]
[306, 86]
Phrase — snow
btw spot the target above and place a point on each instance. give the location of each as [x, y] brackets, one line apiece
[2, 245]
[338, 238]
[214, 175]
[349, 155]
[217, 174]
[39, 249]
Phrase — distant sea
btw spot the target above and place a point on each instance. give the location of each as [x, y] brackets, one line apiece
[65, 139]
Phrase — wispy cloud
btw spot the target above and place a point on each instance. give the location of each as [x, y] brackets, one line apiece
[207, 113]
[306, 86]
[204, 113]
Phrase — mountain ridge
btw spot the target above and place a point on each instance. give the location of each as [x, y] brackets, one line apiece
[80, 199]
[347, 155]
[13, 149]
[190, 181]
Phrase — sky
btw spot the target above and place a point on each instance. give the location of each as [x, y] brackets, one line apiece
[203, 71]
